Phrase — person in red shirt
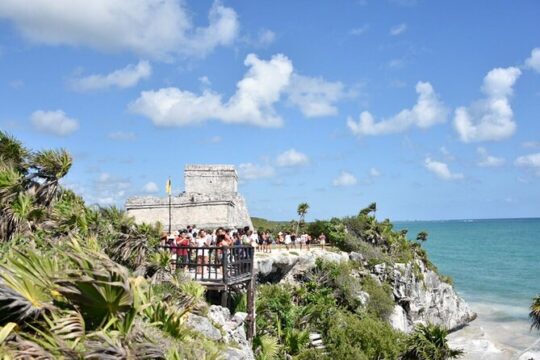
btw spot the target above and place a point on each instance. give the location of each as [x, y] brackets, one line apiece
[182, 242]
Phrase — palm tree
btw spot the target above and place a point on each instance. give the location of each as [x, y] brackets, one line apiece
[428, 342]
[302, 211]
[422, 236]
[534, 315]
[371, 208]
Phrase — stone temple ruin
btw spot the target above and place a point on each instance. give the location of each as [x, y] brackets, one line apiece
[210, 200]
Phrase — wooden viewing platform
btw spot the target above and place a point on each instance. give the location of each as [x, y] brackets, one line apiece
[219, 268]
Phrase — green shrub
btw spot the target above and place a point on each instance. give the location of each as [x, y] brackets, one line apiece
[381, 301]
[351, 337]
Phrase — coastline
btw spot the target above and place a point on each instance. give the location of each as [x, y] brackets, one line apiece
[491, 337]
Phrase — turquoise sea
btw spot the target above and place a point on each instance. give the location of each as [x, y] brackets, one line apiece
[495, 265]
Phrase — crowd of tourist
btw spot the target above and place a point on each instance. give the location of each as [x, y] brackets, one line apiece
[262, 241]
[193, 247]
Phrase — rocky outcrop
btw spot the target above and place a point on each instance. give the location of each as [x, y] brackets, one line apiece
[420, 294]
[285, 265]
[219, 325]
[422, 297]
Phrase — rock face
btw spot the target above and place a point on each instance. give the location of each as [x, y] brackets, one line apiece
[219, 325]
[420, 294]
[422, 297]
[210, 200]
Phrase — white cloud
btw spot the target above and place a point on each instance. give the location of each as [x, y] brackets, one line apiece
[487, 160]
[447, 154]
[396, 63]
[345, 179]
[266, 37]
[150, 187]
[104, 177]
[491, 118]
[250, 171]
[292, 158]
[530, 161]
[441, 170]
[215, 139]
[124, 78]
[159, 29]
[427, 111]
[531, 144]
[374, 173]
[359, 30]
[533, 62]
[122, 136]
[252, 103]
[398, 29]
[315, 96]
[54, 122]
[205, 81]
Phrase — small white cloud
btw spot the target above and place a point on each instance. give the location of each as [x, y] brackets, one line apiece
[158, 29]
[54, 122]
[531, 144]
[491, 118]
[124, 78]
[266, 37]
[215, 139]
[529, 161]
[398, 29]
[150, 187]
[487, 160]
[396, 63]
[205, 81]
[345, 179]
[357, 31]
[104, 177]
[441, 170]
[447, 154]
[292, 158]
[122, 136]
[250, 171]
[533, 62]
[253, 102]
[315, 96]
[374, 173]
[427, 111]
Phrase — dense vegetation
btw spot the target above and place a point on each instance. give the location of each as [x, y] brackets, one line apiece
[80, 282]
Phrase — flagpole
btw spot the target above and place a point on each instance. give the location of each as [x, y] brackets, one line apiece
[169, 191]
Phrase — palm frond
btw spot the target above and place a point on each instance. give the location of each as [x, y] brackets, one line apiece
[534, 315]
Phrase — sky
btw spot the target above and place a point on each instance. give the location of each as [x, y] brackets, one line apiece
[429, 108]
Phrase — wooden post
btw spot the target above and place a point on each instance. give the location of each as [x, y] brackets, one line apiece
[225, 265]
[251, 299]
[225, 297]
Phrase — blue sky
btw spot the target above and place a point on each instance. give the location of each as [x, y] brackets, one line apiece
[429, 108]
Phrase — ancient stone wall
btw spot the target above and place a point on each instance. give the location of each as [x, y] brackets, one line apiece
[211, 200]
[207, 179]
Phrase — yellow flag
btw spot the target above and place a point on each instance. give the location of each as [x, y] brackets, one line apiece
[168, 187]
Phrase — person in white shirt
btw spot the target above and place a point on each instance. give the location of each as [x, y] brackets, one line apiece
[202, 255]
[288, 240]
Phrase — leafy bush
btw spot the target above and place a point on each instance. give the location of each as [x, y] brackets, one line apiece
[350, 337]
[381, 301]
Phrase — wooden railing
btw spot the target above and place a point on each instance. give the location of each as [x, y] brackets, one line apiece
[226, 265]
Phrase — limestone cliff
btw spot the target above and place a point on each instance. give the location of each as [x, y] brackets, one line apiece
[420, 294]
